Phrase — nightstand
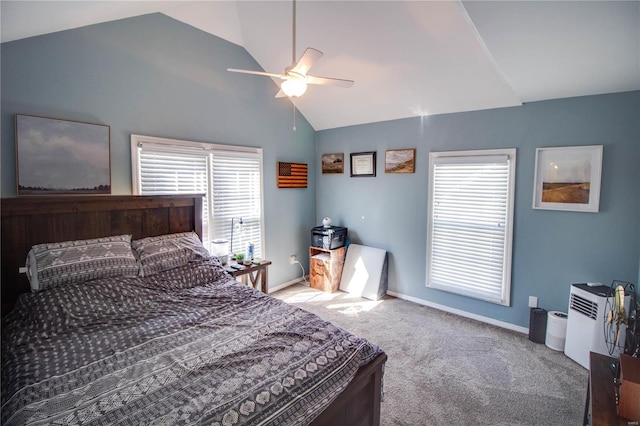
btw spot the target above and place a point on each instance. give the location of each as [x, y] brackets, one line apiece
[325, 268]
[257, 274]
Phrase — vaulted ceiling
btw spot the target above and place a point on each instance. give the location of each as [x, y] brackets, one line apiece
[408, 58]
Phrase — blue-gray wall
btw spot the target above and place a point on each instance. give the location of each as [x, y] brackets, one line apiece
[155, 76]
[551, 249]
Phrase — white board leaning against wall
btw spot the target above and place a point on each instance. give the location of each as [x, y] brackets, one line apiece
[365, 272]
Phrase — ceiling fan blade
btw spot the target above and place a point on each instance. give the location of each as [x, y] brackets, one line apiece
[306, 61]
[268, 74]
[337, 82]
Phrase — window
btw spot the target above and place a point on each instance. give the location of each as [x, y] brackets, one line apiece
[236, 193]
[229, 176]
[470, 223]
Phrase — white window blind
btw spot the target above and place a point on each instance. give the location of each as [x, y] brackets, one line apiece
[470, 223]
[236, 194]
[230, 178]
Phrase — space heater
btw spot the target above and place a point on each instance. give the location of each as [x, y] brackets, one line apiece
[585, 324]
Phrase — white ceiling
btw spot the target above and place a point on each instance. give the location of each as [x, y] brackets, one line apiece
[408, 58]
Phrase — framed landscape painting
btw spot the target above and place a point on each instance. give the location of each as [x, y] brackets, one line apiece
[333, 163]
[61, 157]
[400, 160]
[568, 178]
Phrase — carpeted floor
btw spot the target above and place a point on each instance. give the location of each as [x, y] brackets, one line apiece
[448, 370]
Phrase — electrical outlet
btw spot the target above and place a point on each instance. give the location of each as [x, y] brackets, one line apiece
[292, 259]
[533, 302]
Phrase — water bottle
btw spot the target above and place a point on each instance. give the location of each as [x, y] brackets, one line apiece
[249, 255]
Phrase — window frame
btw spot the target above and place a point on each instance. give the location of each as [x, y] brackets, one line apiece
[209, 148]
[457, 156]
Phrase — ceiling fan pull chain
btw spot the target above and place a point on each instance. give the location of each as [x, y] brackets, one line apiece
[293, 101]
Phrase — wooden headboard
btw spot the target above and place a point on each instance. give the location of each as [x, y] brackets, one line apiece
[33, 220]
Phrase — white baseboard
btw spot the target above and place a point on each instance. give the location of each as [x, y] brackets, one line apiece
[288, 284]
[461, 313]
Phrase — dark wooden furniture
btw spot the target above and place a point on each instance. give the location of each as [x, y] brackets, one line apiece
[629, 392]
[600, 407]
[257, 274]
[325, 268]
[33, 220]
[359, 404]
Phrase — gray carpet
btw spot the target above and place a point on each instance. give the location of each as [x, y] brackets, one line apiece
[448, 370]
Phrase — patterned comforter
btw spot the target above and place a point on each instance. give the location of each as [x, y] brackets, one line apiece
[185, 346]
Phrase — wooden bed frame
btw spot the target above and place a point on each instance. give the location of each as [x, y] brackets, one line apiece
[27, 221]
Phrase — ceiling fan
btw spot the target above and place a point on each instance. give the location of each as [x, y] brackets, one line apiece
[295, 77]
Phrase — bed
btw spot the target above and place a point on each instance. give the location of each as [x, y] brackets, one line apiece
[177, 344]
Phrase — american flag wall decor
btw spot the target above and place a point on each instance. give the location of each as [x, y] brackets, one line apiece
[292, 175]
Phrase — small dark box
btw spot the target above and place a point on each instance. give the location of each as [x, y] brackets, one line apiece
[328, 238]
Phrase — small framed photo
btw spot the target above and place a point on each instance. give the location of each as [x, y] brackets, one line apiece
[400, 160]
[568, 178]
[363, 164]
[333, 163]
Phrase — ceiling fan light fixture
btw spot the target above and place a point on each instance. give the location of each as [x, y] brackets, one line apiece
[295, 77]
[294, 86]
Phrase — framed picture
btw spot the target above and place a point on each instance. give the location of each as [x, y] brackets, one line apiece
[291, 175]
[363, 164]
[333, 163]
[568, 178]
[61, 156]
[400, 160]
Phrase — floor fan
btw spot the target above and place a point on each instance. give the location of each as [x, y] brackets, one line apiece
[620, 328]
[615, 321]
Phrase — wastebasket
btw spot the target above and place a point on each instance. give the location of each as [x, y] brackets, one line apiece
[537, 325]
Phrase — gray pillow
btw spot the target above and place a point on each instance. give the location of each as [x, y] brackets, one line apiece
[168, 251]
[53, 264]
